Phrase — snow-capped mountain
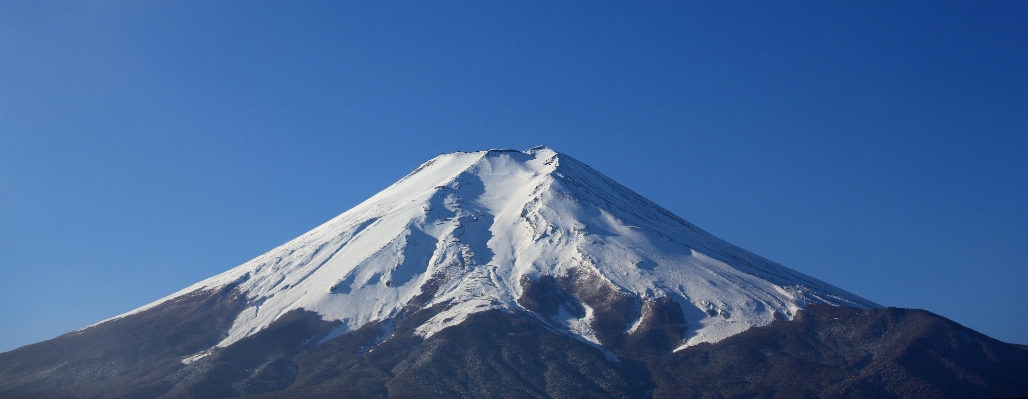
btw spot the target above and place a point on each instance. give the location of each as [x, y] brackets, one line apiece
[472, 226]
[502, 274]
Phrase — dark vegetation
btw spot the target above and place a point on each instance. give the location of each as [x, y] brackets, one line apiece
[834, 352]
[130, 357]
[827, 352]
[259, 363]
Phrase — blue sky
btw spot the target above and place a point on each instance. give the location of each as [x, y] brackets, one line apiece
[879, 146]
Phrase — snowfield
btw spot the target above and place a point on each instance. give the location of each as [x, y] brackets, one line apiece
[465, 229]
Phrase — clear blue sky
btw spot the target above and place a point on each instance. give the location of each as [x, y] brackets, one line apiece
[879, 146]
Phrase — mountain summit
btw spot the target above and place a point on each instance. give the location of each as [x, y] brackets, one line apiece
[472, 231]
[505, 273]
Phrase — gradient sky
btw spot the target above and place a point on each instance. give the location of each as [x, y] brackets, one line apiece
[879, 146]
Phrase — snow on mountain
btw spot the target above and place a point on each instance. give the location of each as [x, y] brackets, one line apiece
[464, 230]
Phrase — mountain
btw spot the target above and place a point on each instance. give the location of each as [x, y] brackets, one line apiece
[506, 273]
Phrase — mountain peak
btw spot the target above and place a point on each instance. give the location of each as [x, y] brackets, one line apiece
[530, 232]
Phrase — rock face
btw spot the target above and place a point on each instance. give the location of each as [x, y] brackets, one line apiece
[514, 274]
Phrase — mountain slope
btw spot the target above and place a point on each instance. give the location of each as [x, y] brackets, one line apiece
[474, 227]
[504, 273]
[839, 352]
[825, 352]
